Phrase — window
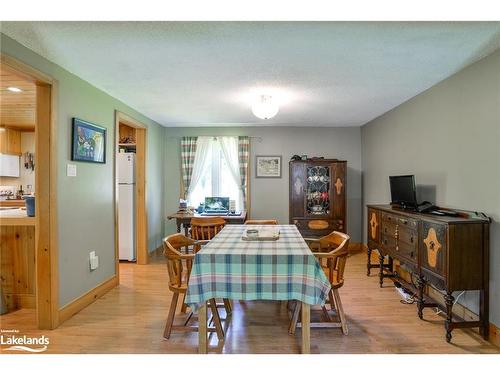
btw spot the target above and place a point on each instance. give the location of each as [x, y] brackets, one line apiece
[216, 178]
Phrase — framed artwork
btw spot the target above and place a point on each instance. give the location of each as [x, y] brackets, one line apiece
[268, 166]
[88, 142]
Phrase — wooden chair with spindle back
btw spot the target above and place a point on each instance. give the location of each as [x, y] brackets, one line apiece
[204, 229]
[180, 251]
[262, 222]
[332, 248]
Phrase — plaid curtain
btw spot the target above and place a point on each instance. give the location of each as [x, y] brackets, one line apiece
[243, 158]
[188, 151]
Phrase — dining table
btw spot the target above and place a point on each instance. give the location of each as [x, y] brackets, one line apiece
[232, 267]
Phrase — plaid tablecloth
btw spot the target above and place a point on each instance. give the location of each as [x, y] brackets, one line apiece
[229, 267]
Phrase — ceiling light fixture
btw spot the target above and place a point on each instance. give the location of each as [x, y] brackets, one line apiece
[14, 89]
[265, 108]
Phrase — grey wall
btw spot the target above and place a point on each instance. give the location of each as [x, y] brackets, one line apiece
[86, 203]
[269, 197]
[449, 137]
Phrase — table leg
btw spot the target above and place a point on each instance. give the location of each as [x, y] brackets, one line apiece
[178, 222]
[202, 329]
[186, 229]
[306, 329]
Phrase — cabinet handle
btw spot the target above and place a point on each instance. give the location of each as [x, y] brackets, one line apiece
[411, 239]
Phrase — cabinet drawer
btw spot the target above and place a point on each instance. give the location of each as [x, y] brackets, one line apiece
[318, 230]
[389, 228]
[390, 218]
[408, 222]
[407, 251]
[408, 237]
[388, 243]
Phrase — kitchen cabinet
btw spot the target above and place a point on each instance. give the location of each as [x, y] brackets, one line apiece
[9, 165]
[10, 141]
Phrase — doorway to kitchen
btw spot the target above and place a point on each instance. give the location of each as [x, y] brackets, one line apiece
[29, 282]
[130, 191]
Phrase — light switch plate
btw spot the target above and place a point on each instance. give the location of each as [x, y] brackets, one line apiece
[71, 170]
[93, 260]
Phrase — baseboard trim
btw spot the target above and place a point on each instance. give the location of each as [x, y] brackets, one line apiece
[78, 304]
[357, 247]
[494, 336]
[156, 252]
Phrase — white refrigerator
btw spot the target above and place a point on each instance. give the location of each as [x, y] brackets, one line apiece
[126, 206]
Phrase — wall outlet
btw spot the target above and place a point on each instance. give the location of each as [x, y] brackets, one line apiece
[93, 260]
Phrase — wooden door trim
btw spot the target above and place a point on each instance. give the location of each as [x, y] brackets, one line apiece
[46, 231]
[141, 208]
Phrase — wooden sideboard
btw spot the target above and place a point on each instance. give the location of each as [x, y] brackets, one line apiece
[450, 253]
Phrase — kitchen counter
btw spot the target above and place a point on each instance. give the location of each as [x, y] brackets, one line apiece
[15, 216]
[12, 203]
[17, 251]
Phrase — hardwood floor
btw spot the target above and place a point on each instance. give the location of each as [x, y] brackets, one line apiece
[131, 318]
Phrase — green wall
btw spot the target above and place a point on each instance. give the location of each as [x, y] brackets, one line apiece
[449, 137]
[269, 196]
[85, 203]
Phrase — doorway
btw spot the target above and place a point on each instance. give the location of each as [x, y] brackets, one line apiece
[42, 293]
[130, 193]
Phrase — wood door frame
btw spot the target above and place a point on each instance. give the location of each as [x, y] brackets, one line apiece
[140, 186]
[46, 231]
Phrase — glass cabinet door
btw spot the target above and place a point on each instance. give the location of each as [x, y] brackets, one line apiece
[318, 179]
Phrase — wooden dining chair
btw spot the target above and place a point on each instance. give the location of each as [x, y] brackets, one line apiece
[332, 249]
[262, 222]
[204, 229]
[180, 251]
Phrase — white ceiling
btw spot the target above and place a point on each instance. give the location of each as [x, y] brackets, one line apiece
[201, 73]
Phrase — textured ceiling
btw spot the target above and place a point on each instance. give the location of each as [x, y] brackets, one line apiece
[202, 73]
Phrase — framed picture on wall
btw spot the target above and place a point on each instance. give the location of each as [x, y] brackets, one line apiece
[88, 142]
[268, 166]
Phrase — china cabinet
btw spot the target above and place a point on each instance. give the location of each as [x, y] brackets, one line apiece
[318, 196]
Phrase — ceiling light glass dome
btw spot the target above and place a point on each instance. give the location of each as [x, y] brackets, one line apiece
[265, 108]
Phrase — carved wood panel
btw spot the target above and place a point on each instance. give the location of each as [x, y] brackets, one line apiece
[373, 225]
[433, 247]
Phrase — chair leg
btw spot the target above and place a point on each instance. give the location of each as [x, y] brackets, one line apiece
[227, 306]
[332, 300]
[295, 318]
[183, 306]
[171, 315]
[338, 302]
[216, 319]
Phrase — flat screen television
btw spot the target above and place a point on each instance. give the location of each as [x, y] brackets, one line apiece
[403, 191]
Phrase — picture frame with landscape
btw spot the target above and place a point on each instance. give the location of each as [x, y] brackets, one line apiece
[268, 166]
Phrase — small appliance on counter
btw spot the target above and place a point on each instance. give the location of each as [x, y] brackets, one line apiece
[30, 205]
[7, 192]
